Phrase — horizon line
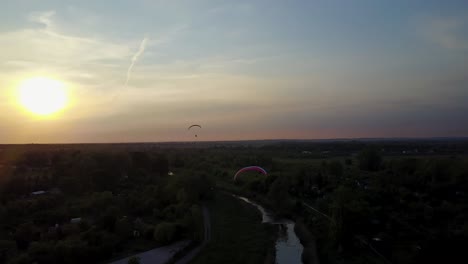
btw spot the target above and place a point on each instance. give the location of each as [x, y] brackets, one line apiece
[250, 140]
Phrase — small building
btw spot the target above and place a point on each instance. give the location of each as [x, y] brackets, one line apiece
[76, 220]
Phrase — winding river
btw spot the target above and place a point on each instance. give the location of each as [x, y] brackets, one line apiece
[288, 247]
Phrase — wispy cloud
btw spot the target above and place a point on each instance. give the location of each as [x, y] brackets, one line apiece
[135, 58]
[54, 46]
[44, 18]
[448, 32]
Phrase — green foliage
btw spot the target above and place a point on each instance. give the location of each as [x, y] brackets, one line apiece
[113, 192]
[42, 252]
[134, 260]
[25, 234]
[123, 228]
[74, 251]
[237, 234]
[20, 259]
[279, 194]
[415, 197]
[336, 168]
[370, 159]
[165, 233]
[7, 249]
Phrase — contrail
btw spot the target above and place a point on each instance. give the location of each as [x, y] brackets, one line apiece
[135, 58]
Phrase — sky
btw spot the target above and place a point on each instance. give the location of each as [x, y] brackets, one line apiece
[141, 71]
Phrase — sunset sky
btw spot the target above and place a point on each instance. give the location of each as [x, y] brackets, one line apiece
[139, 71]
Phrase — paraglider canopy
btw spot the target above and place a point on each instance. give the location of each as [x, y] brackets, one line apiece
[192, 127]
[250, 168]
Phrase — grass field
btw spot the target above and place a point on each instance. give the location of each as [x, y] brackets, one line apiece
[237, 234]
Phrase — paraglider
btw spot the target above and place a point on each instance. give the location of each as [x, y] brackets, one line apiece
[194, 126]
[250, 168]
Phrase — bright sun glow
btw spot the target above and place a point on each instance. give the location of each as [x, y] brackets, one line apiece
[42, 96]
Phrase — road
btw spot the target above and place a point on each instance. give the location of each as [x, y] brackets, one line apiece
[158, 255]
[207, 226]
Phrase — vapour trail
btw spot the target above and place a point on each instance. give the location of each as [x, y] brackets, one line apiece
[135, 58]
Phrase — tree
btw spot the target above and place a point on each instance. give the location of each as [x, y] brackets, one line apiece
[369, 159]
[349, 162]
[165, 232]
[73, 251]
[25, 234]
[109, 218]
[42, 252]
[34, 159]
[160, 165]
[134, 260]
[21, 259]
[349, 212]
[7, 249]
[279, 193]
[140, 160]
[336, 168]
[123, 228]
[182, 196]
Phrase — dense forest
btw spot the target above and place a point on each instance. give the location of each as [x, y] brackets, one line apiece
[363, 201]
[84, 207]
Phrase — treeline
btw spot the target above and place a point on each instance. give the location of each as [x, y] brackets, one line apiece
[84, 207]
[402, 209]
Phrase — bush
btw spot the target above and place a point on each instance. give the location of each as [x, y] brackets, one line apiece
[370, 159]
[123, 228]
[134, 260]
[7, 249]
[165, 233]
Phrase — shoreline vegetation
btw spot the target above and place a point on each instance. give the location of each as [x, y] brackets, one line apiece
[400, 202]
[237, 234]
[309, 255]
[306, 236]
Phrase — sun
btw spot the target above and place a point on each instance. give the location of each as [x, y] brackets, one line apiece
[42, 96]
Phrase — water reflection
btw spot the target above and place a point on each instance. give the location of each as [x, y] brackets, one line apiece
[288, 247]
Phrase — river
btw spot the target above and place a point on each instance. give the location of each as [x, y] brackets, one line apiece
[288, 247]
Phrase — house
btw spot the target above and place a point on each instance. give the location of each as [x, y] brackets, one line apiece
[38, 192]
[76, 220]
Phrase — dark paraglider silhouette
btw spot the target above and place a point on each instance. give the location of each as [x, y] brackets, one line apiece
[192, 126]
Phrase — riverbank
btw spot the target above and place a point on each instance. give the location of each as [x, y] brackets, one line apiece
[237, 234]
[309, 255]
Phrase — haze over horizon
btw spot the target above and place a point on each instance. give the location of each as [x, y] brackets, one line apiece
[143, 71]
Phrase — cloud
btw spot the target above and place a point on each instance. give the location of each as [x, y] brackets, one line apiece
[50, 46]
[136, 57]
[447, 32]
[44, 18]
